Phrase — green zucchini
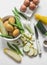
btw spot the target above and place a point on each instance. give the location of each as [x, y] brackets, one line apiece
[41, 27]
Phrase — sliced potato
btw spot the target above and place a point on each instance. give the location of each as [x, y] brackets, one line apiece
[26, 48]
[12, 54]
[35, 52]
[31, 52]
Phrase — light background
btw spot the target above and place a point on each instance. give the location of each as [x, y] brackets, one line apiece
[6, 7]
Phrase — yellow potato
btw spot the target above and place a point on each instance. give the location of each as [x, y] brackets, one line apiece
[16, 32]
[8, 26]
[10, 33]
[12, 20]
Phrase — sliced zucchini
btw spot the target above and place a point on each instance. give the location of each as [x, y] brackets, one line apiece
[12, 54]
[31, 52]
[35, 52]
[28, 44]
[26, 48]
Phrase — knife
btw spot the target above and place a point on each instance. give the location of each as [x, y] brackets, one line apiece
[37, 41]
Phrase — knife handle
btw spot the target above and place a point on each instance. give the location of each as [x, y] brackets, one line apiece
[39, 47]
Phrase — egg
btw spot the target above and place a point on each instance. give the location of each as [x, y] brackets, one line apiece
[26, 3]
[23, 8]
[32, 6]
[16, 32]
[36, 1]
[12, 20]
[8, 26]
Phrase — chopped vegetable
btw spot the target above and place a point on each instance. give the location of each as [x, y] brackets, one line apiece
[42, 18]
[12, 54]
[41, 28]
[26, 48]
[35, 52]
[17, 49]
[31, 52]
[27, 36]
[2, 28]
[28, 28]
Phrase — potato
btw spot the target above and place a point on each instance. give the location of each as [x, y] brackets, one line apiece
[16, 32]
[10, 33]
[12, 20]
[32, 6]
[26, 3]
[23, 8]
[36, 1]
[8, 26]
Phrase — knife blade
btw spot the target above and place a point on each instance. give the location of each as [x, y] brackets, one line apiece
[37, 41]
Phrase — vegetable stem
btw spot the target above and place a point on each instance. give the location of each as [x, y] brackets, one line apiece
[6, 36]
[17, 49]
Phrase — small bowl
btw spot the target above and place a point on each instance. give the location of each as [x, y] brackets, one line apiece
[9, 40]
[45, 43]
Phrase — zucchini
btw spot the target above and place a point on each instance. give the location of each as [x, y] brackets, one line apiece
[12, 54]
[26, 48]
[41, 27]
[31, 52]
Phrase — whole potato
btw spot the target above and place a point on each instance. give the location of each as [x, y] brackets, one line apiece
[16, 32]
[5, 23]
[36, 1]
[26, 3]
[32, 6]
[10, 33]
[23, 8]
[12, 20]
[8, 26]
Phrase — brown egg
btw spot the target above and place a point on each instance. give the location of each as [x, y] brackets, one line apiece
[16, 32]
[36, 1]
[8, 26]
[12, 20]
[32, 6]
[26, 3]
[23, 8]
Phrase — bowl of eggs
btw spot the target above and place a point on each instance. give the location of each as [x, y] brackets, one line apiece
[13, 32]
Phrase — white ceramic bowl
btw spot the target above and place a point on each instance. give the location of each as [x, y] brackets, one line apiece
[10, 40]
[7, 39]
